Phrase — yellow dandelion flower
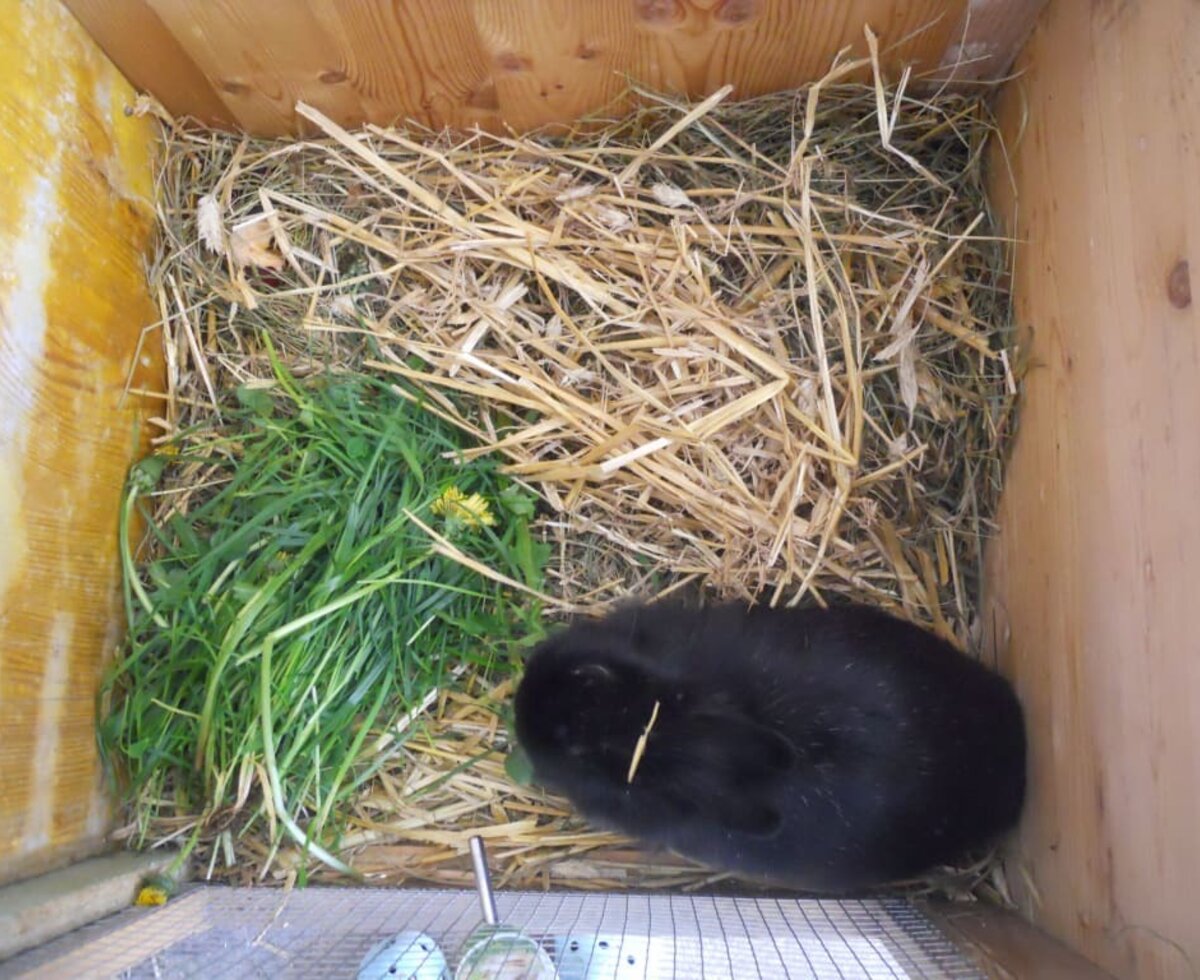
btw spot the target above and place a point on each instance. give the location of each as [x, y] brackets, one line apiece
[472, 510]
[151, 895]
[156, 889]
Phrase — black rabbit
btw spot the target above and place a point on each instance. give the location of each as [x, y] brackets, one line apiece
[831, 750]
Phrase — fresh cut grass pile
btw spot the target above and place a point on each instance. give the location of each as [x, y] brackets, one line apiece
[297, 609]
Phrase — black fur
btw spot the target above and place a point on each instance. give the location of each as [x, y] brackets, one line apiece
[832, 750]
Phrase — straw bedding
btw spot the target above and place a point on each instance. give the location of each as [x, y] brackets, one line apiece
[756, 347]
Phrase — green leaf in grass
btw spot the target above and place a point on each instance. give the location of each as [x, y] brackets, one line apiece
[518, 767]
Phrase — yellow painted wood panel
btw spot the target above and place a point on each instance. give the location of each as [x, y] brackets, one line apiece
[520, 63]
[1097, 568]
[75, 221]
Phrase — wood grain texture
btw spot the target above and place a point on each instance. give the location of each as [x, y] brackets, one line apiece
[135, 39]
[497, 63]
[261, 58]
[1006, 947]
[420, 60]
[555, 60]
[988, 39]
[1095, 572]
[75, 221]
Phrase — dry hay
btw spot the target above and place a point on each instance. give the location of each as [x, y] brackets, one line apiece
[760, 346]
[448, 782]
[441, 783]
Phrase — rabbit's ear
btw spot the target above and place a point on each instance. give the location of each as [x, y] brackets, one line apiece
[722, 779]
[729, 737]
[721, 761]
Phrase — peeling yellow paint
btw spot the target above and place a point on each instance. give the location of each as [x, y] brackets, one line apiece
[12, 527]
[52, 697]
[76, 220]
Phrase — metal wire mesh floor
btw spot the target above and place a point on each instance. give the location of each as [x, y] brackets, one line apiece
[330, 932]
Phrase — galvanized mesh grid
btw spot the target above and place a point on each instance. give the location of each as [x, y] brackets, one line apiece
[329, 932]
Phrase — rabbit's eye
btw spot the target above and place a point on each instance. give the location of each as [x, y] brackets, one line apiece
[591, 674]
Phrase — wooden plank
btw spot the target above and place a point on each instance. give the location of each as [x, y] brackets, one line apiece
[131, 942]
[556, 60]
[419, 60]
[75, 225]
[1006, 947]
[37, 911]
[767, 45]
[464, 63]
[263, 57]
[1093, 578]
[988, 39]
[134, 38]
